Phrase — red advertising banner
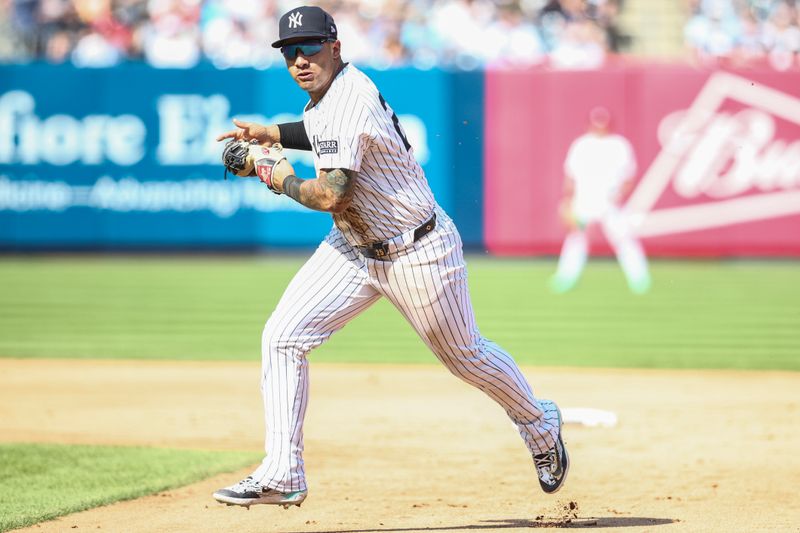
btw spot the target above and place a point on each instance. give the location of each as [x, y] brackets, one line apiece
[717, 152]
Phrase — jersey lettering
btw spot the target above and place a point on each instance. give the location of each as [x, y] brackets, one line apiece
[396, 123]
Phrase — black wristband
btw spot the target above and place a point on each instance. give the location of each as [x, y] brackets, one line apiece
[291, 187]
[293, 135]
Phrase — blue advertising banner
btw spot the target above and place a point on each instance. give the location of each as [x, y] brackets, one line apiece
[125, 158]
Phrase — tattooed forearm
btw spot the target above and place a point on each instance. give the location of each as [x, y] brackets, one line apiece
[332, 191]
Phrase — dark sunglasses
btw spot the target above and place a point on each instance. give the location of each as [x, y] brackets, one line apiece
[307, 48]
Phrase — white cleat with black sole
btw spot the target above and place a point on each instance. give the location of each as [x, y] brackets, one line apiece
[553, 465]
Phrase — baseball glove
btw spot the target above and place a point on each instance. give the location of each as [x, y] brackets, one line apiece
[247, 159]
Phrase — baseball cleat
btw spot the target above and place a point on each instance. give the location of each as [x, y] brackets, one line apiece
[249, 492]
[553, 465]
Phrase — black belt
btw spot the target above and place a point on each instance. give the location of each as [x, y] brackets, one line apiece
[377, 250]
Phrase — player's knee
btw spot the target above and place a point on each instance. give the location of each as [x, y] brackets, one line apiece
[456, 356]
[276, 340]
[282, 340]
[481, 352]
[466, 370]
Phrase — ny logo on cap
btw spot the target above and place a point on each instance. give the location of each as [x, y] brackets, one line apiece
[295, 20]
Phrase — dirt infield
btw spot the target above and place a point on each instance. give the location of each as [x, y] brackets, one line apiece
[396, 449]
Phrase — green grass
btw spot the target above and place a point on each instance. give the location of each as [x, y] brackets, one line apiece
[43, 481]
[698, 315]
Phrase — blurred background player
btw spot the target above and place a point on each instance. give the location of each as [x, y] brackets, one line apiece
[599, 172]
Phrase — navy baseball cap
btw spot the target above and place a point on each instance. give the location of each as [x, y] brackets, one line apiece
[305, 22]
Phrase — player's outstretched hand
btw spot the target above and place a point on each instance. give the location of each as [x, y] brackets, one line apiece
[248, 131]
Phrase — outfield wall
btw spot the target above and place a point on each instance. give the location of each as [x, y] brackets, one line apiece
[124, 158]
[718, 157]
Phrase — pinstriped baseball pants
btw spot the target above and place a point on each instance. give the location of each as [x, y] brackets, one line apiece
[427, 283]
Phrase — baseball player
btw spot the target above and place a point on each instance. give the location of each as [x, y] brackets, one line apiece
[599, 169]
[389, 239]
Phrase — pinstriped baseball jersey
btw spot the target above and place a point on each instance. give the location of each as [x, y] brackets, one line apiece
[352, 127]
[425, 278]
[420, 269]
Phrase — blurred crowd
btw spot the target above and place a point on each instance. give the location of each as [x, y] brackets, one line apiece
[745, 33]
[463, 34]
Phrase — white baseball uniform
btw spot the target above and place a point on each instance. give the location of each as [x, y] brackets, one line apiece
[599, 165]
[352, 127]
